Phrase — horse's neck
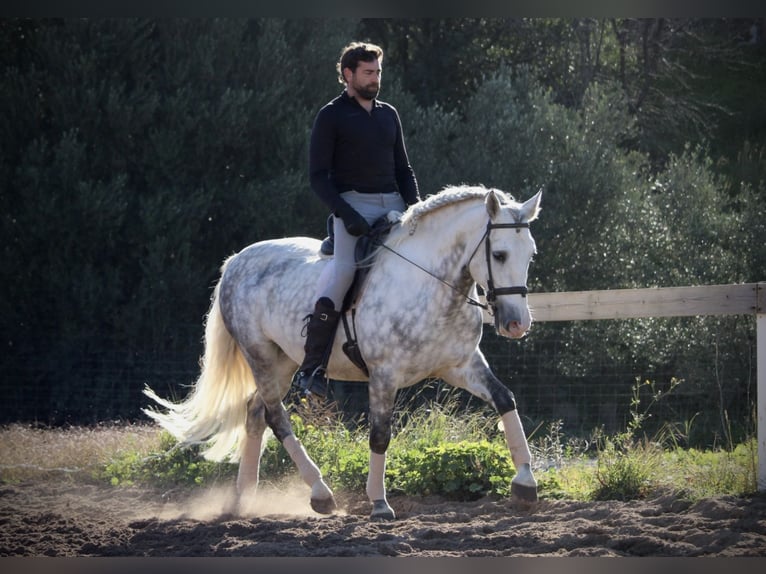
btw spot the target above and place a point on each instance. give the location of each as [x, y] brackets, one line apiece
[444, 240]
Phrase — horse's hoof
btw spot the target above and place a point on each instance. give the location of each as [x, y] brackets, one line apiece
[382, 511]
[525, 496]
[324, 505]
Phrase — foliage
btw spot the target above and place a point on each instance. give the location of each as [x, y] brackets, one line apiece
[436, 449]
[423, 459]
[710, 472]
[690, 474]
[72, 454]
[574, 479]
[627, 465]
[460, 471]
[625, 469]
[135, 144]
[169, 466]
[630, 466]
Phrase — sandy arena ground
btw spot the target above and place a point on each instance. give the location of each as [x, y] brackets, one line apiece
[59, 518]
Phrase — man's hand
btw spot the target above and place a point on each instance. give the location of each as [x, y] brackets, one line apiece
[394, 216]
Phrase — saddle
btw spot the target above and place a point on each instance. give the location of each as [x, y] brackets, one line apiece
[365, 245]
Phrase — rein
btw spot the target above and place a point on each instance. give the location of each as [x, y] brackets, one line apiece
[470, 300]
[492, 291]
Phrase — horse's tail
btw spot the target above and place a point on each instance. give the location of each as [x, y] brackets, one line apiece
[215, 411]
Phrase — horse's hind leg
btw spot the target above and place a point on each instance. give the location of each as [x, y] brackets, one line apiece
[265, 409]
[250, 456]
[322, 499]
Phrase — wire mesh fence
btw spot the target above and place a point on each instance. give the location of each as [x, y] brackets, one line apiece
[705, 396]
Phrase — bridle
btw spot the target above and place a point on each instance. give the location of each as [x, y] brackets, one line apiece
[492, 292]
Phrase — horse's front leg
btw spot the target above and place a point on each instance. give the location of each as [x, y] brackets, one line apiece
[381, 413]
[524, 484]
[478, 379]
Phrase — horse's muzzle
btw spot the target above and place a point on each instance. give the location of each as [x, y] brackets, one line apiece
[513, 330]
[512, 322]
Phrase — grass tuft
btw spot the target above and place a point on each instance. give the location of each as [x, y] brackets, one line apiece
[72, 453]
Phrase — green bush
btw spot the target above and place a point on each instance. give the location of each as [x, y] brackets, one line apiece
[460, 471]
[169, 467]
[460, 455]
[463, 470]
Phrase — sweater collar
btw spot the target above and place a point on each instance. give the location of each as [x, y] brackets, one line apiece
[351, 100]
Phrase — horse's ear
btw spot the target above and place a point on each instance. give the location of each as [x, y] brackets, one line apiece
[531, 208]
[493, 204]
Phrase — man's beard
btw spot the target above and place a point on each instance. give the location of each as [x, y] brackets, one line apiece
[368, 92]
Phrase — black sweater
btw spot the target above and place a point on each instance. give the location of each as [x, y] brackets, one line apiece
[352, 149]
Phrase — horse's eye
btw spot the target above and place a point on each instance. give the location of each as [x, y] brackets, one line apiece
[499, 256]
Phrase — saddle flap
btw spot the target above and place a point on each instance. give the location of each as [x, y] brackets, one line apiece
[365, 245]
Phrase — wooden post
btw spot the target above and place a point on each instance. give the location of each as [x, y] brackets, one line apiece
[760, 319]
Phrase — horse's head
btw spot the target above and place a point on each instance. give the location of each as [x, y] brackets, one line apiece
[507, 248]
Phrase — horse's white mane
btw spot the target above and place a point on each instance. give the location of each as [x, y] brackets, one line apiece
[450, 195]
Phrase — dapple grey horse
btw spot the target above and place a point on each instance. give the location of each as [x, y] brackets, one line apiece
[413, 322]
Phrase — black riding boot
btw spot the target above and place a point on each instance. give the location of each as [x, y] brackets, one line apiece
[320, 333]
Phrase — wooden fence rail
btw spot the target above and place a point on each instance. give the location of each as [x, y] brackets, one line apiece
[745, 299]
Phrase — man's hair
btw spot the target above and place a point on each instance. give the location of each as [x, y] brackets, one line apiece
[354, 53]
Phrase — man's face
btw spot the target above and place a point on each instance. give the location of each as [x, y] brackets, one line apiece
[366, 79]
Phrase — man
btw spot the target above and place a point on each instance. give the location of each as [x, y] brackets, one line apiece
[358, 166]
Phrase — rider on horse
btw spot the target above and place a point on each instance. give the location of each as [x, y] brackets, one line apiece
[358, 166]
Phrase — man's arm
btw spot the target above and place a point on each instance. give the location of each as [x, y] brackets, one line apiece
[321, 149]
[405, 175]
